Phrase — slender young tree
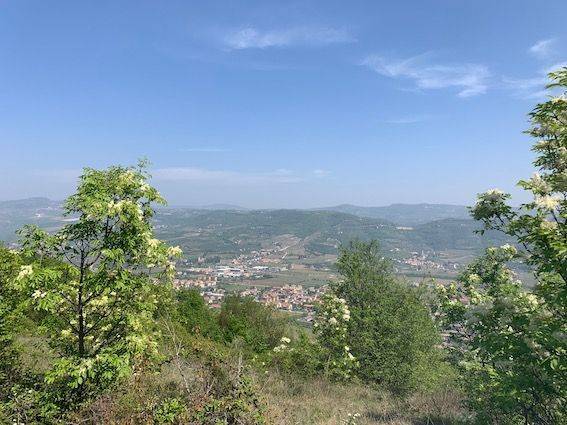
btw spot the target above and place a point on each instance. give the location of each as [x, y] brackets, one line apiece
[97, 279]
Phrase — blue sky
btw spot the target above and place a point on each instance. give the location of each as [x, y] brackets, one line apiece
[276, 104]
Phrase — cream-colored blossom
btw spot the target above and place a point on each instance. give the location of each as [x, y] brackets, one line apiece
[548, 203]
[548, 225]
[153, 243]
[509, 249]
[174, 251]
[38, 294]
[539, 184]
[25, 271]
[494, 191]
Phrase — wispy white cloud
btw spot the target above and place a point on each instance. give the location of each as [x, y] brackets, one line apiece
[543, 48]
[225, 177]
[253, 38]
[468, 79]
[533, 87]
[205, 149]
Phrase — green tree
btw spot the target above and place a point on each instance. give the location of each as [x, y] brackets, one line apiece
[196, 315]
[259, 326]
[511, 343]
[95, 280]
[390, 331]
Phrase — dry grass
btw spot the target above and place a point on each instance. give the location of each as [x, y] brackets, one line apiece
[320, 402]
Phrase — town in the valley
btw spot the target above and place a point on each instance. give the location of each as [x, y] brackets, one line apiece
[268, 276]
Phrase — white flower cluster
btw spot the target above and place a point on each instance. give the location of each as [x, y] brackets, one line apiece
[331, 328]
[352, 418]
[335, 313]
[38, 294]
[548, 225]
[348, 353]
[124, 206]
[547, 202]
[284, 344]
[509, 249]
[145, 188]
[539, 185]
[493, 194]
[25, 271]
[474, 279]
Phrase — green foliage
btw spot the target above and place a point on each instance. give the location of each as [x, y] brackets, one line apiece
[509, 359]
[168, 411]
[9, 266]
[302, 357]
[239, 405]
[259, 326]
[95, 281]
[390, 331]
[195, 314]
[510, 343]
[333, 316]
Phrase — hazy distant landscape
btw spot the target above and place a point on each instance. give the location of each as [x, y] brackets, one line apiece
[423, 239]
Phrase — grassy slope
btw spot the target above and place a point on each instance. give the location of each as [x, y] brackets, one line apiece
[316, 401]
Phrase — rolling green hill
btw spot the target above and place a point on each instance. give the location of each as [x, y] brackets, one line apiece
[318, 232]
[309, 232]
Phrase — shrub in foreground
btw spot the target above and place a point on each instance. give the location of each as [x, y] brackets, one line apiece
[390, 331]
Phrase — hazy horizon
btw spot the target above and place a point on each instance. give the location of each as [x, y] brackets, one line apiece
[225, 205]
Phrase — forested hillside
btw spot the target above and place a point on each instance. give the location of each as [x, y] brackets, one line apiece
[226, 231]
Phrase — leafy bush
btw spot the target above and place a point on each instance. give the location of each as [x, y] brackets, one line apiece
[195, 315]
[259, 326]
[301, 356]
[168, 411]
[390, 331]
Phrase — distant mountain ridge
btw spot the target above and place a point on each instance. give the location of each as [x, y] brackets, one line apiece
[26, 203]
[406, 214]
[226, 228]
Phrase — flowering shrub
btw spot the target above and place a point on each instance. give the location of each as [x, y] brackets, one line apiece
[301, 356]
[510, 343]
[330, 327]
[499, 339]
[95, 281]
[284, 344]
